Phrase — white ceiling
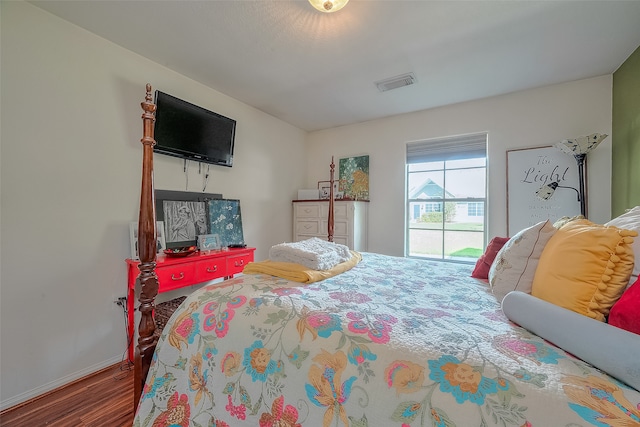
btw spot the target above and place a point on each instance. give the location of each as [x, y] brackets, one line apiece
[317, 70]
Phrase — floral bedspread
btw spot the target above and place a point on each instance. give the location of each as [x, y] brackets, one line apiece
[392, 342]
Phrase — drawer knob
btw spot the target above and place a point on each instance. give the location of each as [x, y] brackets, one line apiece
[179, 277]
[239, 263]
[212, 270]
[307, 227]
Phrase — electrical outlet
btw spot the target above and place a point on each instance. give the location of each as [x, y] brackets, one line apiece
[121, 301]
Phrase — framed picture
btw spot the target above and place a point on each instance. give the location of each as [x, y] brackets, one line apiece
[225, 220]
[530, 169]
[354, 177]
[209, 242]
[325, 187]
[184, 214]
[184, 221]
[133, 237]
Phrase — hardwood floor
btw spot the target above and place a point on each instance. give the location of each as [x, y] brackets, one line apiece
[102, 399]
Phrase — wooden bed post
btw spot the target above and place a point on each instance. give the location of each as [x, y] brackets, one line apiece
[331, 196]
[147, 252]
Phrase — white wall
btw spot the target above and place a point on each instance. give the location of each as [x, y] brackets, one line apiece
[70, 181]
[525, 119]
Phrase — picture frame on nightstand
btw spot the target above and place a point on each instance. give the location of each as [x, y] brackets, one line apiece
[133, 238]
[225, 220]
[185, 215]
[209, 242]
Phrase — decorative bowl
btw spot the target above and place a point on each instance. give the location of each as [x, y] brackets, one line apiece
[181, 252]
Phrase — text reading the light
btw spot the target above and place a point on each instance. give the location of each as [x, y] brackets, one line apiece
[536, 174]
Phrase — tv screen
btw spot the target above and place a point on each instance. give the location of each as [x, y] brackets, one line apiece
[187, 131]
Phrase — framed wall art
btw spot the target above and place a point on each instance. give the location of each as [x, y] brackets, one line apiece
[530, 169]
[225, 220]
[184, 221]
[184, 214]
[353, 177]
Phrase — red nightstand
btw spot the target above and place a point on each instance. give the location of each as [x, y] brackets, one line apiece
[174, 273]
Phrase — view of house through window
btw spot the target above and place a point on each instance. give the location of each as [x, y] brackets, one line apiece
[446, 200]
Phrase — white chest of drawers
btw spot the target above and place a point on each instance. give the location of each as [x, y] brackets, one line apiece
[350, 221]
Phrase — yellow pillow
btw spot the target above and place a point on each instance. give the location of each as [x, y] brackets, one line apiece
[585, 267]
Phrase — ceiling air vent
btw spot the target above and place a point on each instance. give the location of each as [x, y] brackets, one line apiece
[396, 82]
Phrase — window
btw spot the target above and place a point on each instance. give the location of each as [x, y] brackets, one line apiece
[475, 209]
[446, 198]
[433, 207]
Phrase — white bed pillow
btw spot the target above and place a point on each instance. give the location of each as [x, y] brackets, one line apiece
[630, 220]
[515, 264]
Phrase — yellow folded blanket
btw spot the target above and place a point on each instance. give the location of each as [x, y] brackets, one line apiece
[300, 273]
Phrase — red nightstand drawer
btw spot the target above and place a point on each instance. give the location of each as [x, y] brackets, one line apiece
[176, 273]
[174, 277]
[211, 269]
[235, 264]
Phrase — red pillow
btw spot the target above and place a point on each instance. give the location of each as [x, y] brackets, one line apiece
[625, 313]
[484, 262]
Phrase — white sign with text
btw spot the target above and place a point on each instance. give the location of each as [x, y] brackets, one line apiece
[530, 169]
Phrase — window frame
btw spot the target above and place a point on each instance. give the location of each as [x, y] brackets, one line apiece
[446, 150]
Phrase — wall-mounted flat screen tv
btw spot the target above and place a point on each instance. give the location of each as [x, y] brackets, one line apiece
[190, 132]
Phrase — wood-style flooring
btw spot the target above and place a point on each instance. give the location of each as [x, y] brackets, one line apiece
[101, 399]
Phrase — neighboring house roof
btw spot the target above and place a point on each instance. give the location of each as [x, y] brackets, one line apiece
[428, 190]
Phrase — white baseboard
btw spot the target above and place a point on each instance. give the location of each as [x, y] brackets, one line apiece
[23, 397]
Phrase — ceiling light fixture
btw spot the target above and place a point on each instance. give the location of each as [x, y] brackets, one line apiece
[328, 6]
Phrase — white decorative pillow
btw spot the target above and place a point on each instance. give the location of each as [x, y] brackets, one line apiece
[515, 264]
[630, 220]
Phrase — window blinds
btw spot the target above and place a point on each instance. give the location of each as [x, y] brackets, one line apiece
[449, 148]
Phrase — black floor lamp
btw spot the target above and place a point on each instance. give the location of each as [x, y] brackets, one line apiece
[578, 148]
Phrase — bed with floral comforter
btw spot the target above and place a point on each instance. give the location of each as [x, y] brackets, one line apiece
[391, 342]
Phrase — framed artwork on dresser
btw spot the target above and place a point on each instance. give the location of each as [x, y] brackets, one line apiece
[353, 177]
[209, 242]
[225, 220]
[133, 237]
[184, 220]
[184, 214]
[325, 187]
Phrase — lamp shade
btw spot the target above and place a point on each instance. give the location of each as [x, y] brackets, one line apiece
[328, 6]
[546, 191]
[581, 145]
